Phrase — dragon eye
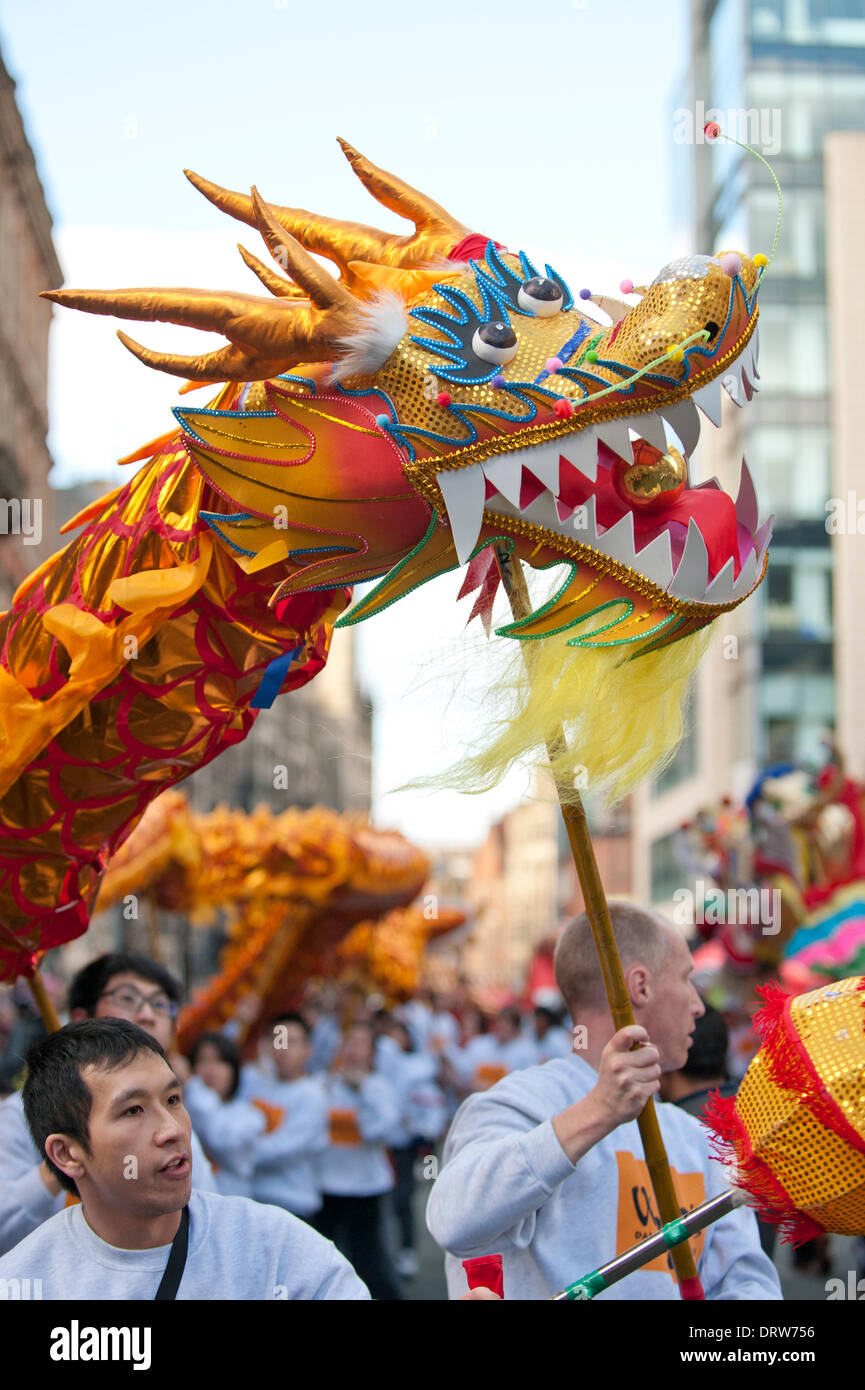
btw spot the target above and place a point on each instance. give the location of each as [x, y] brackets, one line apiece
[496, 343]
[540, 297]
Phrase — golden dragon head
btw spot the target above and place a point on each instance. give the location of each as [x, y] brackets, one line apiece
[441, 394]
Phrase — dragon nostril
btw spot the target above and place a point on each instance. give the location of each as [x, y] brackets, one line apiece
[712, 328]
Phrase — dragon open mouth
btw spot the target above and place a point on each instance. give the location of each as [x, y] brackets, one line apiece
[693, 542]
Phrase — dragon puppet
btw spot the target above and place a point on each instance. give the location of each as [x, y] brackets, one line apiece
[437, 397]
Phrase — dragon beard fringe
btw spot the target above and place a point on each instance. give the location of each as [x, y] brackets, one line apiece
[621, 722]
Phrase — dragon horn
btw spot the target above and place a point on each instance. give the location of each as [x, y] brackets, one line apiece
[339, 241]
[226, 364]
[401, 198]
[283, 289]
[287, 251]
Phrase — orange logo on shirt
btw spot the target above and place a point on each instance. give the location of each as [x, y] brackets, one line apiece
[273, 1114]
[487, 1074]
[343, 1127]
[638, 1210]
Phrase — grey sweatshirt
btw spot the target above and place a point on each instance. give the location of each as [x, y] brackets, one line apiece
[238, 1249]
[508, 1187]
[25, 1201]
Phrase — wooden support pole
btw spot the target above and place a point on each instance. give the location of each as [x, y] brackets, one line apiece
[583, 851]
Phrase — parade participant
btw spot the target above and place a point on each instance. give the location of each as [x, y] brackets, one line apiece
[227, 1125]
[354, 1171]
[486, 1059]
[285, 1171]
[106, 1111]
[546, 1168]
[549, 1037]
[422, 1119]
[119, 985]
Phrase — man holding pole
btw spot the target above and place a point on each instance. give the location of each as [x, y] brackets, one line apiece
[546, 1168]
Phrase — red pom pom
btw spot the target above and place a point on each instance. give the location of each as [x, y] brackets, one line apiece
[563, 409]
[711, 130]
[443, 399]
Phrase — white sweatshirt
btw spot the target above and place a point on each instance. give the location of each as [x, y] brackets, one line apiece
[484, 1060]
[285, 1171]
[422, 1105]
[507, 1187]
[237, 1250]
[361, 1121]
[25, 1201]
[228, 1130]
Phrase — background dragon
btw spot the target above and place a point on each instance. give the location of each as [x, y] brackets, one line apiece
[436, 396]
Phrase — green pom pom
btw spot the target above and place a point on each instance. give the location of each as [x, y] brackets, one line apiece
[591, 355]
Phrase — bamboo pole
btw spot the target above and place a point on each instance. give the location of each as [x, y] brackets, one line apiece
[582, 849]
[46, 1008]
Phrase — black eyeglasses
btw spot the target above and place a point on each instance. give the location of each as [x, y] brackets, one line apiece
[131, 1001]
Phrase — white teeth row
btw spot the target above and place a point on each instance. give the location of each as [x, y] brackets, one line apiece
[464, 491]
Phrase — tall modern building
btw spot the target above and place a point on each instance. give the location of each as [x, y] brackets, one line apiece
[780, 76]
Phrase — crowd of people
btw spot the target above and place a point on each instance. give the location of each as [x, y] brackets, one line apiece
[311, 1143]
[332, 1119]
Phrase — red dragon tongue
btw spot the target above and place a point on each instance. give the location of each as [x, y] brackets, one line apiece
[712, 510]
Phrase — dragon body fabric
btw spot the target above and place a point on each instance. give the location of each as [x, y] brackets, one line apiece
[435, 398]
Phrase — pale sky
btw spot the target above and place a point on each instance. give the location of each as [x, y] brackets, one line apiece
[548, 126]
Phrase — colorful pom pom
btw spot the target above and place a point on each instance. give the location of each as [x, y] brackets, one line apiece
[383, 421]
[591, 355]
[677, 355]
[585, 294]
[731, 264]
[443, 399]
[760, 260]
[627, 286]
[711, 130]
[498, 381]
[553, 365]
[563, 408]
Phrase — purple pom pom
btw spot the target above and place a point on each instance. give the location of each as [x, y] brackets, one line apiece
[585, 294]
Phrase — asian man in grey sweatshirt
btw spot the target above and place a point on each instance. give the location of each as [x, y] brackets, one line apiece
[546, 1168]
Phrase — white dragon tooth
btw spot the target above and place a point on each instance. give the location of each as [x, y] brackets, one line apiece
[755, 349]
[732, 384]
[584, 522]
[708, 398]
[543, 462]
[721, 588]
[581, 451]
[651, 428]
[692, 570]
[747, 511]
[746, 386]
[713, 483]
[463, 491]
[543, 512]
[683, 418]
[618, 540]
[747, 576]
[655, 560]
[614, 433]
[505, 472]
[762, 537]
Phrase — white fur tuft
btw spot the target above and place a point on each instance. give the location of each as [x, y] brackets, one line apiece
[383, 321]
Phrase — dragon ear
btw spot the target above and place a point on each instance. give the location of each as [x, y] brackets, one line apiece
[266, 336]
[436, 231]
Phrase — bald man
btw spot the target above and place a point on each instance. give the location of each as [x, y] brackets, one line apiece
[546, 1168]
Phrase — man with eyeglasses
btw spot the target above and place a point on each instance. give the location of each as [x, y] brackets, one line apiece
[123, 985]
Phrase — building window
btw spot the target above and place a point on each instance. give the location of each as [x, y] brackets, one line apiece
[667, 873]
